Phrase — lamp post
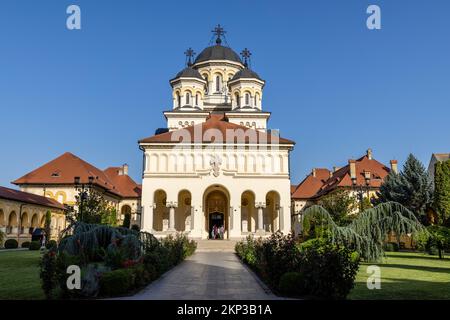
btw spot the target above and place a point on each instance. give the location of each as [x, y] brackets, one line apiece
[361, 189]
[83, 190]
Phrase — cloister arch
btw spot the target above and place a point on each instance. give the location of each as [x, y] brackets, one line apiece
[2, 218]
[183, 211]
[272, 212]
[12, 220]
[248, 211]
[35, 221]
[160, 212]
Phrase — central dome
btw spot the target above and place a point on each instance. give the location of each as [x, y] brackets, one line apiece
[218, 52]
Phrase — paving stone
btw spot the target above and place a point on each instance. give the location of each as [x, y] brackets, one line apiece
[206, 276]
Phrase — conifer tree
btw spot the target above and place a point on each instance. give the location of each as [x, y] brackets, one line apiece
[411, 188]
[442, 191]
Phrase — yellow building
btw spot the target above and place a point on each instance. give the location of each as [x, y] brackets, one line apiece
[22, 212]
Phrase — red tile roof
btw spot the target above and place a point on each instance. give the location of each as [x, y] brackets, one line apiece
[16, 195]
[62, 170]
[216, 123]
[123, 183]
[311, 187]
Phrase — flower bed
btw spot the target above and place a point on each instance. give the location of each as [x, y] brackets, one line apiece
[113, 261]
[312, 269]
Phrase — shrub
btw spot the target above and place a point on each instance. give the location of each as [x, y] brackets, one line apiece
[291, 284]
[11, 244]
[328, 270]
[51, 244]
[35, 245]
[25, 244]
[179, 247]
[246, 250]
[391, 247]
[157, 261]
[48, 272]
[116, 282]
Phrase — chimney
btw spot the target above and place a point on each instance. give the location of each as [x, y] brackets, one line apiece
[394, 166]
[369, 154]
[124, 170]
[352, 164]
[313, 172]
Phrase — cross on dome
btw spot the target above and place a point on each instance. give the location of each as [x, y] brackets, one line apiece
[246, 56]
[219, 32]
[189, 56]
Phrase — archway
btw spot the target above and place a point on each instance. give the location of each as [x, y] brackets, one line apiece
[216, 205]
[272, 212]
[2, 218]
[125, 216]
[183, 211]
[12, 222]
[248, 212]
[24, 225]
[160, 212]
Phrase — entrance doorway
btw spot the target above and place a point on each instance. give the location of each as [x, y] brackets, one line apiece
[216, 210]
[216, 225]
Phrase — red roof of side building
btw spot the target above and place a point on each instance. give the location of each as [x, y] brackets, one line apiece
[309, 187]
[342, 178]
[123, 183]
[216, 123]
[324, 182]
[20, 196]
[64, 169]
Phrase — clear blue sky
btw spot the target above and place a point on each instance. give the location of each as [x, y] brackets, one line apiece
[333, 86]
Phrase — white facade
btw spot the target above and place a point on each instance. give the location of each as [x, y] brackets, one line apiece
[192, 186]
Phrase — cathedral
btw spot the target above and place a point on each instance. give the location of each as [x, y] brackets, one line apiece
[216, 164]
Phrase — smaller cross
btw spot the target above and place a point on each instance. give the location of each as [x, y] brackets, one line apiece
[246, 56]
[189, 56]
[219, 32]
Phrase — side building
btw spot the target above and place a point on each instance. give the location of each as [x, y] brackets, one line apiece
[361, 177]
[22, 212]
[62, 178]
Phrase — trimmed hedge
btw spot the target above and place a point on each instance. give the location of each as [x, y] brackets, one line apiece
[25, 244]
[11, 244]
[316, 268]
[35, 245]
[391, 247]
[116, 282]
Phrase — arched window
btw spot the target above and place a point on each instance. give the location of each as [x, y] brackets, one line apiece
[178, 100]
[207, 84]
[255, 101]
[238, 103]
[196, 99]
[218, 83]
[247, 99]
[188, 98]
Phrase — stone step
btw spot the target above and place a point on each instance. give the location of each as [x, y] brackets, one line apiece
[215, 245]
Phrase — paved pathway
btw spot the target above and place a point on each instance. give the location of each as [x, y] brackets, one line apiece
[207, 276]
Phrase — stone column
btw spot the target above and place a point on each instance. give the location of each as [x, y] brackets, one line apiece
[171, 205]
[260, 206]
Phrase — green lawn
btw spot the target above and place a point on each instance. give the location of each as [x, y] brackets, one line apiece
[403, 276]
[407, 275]
[19, 275]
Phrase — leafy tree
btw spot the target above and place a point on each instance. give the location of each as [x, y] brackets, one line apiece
[367, 232]
[411, 188]
[93, 208]
[442, 191]
[339, 204]
[435, 238]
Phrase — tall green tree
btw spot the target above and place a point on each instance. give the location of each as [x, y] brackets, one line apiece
[93, 208]
[442, 191]
[412, 188]
[47, 225]
[340, 204]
